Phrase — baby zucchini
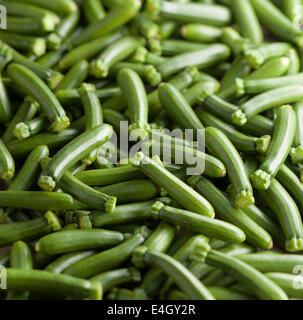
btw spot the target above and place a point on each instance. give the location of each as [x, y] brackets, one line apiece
[172, 267]
[222, 148]
[255, 234]
[35, 87]
[175, 187]
[196, 223]
[283, 136]
[72, 153]
[48, 283]
[258, 283]
[74, 240]
[278, 199]
[135, 95]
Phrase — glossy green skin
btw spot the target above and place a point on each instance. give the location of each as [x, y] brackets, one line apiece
[52, 58]
[21, 258]
[268, 262]
[247, 20]
[178, 108]
[88, 50]
[5, 105]
[233, 40]
[212, 228]
[201, 58]
[75, 240]
[275, 20]
[282, 140]
[241, 141]
[292, 9]
[255, 234]
[239, 69]
[200, 270]
[134, 93]
[15, 8]
[131, 191]
[92, 113]
[29, 26]
[184, 279]
[44, 282]
[25, 112]
[167, 28]
[34, 86]
[292, 183]
[256, 281]
[176, 188]
[124, 214]
[286, 282]
[264, 221]
[70, 97]
[219, 293]
[146, 27]
[58, 6]
[201, 33]
[92, 198]
[294, 62]
[197, 92]
[171, 47]
[93, 11]
[272, 98]
[25, 43]
[116, 17]
[68, 259]
[147, 72]
[20, 149]
[105, 260]
[257, 125]
[105, 177]
[74, 77]
[196, 12]
[266, 84]
[257, 56]
[225, 294]
[288, 214]
[67, 26]
[162, 237]
[275, 67]
[9, 233]
[30, 170]
[180, 250]
[222, 148]
[298, 140]
[214, 167]
[35, 200]
[76, 150]
[115, 278]
[115, 52]
[44, 73]
[7, 163]
[181, 81]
